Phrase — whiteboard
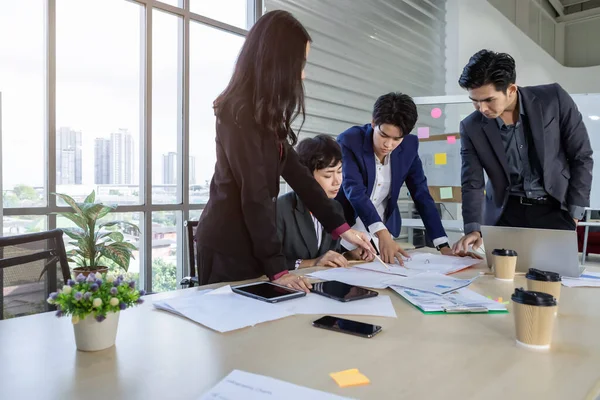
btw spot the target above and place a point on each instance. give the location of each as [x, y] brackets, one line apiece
[589, 106]
[441, 175]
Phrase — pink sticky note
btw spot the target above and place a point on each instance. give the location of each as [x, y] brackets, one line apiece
[423, 133]
[436, 113]
[451, 139]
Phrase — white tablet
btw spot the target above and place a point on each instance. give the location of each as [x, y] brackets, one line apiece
[267, 291]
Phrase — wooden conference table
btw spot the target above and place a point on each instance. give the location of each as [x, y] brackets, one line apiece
[162, 356]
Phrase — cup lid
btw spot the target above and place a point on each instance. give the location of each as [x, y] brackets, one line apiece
[531, 298]
[539, 275]
[504, 252]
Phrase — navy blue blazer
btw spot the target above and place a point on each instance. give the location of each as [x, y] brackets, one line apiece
[358, 167]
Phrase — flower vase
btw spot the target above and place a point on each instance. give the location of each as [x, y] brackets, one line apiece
[91, 335]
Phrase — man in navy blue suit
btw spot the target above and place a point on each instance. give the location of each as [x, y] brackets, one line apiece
[377, 159]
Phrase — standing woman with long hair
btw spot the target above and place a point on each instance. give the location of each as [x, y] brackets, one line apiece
[237, 233]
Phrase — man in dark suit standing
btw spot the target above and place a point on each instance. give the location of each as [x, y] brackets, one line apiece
[533, 146]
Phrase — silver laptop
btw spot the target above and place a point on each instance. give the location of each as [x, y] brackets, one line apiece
[544, 249]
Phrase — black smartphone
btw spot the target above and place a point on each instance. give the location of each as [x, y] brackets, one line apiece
[347, 326]
[341, 291]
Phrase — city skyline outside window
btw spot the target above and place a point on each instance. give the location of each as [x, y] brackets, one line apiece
[100, 89]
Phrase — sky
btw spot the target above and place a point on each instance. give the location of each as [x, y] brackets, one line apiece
[99, 81]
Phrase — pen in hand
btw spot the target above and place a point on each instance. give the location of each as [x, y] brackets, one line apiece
[376, 256]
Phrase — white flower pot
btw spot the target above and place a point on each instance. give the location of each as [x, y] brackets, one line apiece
[91, 335]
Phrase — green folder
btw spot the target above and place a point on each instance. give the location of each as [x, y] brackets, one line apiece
[474, 310]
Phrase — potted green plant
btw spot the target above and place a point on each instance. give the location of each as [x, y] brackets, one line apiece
[94, 303]
[94, 243]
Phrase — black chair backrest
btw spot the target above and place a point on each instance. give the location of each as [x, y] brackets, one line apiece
[191, 227]
[36, 254]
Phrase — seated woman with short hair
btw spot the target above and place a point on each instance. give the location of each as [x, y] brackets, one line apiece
[305, 242]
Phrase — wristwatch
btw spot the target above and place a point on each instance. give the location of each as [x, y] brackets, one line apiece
[441, 246]
[297, 263]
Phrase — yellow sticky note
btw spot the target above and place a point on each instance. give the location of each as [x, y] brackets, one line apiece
[349, 377]
[446, 193]
[440, 159]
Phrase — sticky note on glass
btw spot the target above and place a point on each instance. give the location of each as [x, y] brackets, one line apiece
[349, 377]
[451, 139]
[440, 159]
[446, 193]
[436, 113]
[423, 133]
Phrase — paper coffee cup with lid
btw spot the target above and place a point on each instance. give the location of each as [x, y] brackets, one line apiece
[534, 318]
[505, 264]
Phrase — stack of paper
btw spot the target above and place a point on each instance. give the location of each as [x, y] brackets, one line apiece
[439, 263]
[588, 279]
[462, 300]
[431, 282]
[223, 310]
[247, 386]
[433, 268]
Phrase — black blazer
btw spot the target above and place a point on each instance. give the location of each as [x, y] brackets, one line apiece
[561, 142]
[296, 231]
[240, 219]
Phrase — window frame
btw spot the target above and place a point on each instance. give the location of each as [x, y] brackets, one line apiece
[146, 208]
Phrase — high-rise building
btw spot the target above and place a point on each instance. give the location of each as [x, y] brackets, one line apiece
[192, 167]
[68, 157]
[170, 168]
[102, 161]
[121, 144]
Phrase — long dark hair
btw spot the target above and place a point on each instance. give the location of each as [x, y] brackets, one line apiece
[267, 80]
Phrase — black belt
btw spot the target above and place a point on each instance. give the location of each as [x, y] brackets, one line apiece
[530, 202]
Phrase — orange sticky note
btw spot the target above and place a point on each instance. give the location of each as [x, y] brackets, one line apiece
[440, 159]
[349, 377]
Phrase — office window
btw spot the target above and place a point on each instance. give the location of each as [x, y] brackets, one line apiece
[232, 12]
[79, 84]
[213, 54]
[166, 226]
[98, 99]
[23, 224]
[167, 42]
[22, 105]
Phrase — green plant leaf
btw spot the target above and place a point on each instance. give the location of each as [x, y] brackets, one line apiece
[74, 233]
[94, 212]
[77, 219]
[117, 238]
[112, 223]
[70, 201]
[120, 256]
[91, 197]
[125, 245]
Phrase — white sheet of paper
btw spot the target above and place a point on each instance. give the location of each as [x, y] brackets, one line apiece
[394, 269]
[224, 310]
[432, 282]
[587, 279]
[244, 385]
[353, 276]
[380, 306]
[430, 302]
[439, 263]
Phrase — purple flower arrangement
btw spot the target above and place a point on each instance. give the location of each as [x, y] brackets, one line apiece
[97, 295]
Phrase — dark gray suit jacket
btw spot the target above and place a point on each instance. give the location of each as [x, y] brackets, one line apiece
[561, 142]
[296, 231]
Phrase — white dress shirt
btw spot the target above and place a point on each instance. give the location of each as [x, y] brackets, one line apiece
[380, 197]
[318, 230]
